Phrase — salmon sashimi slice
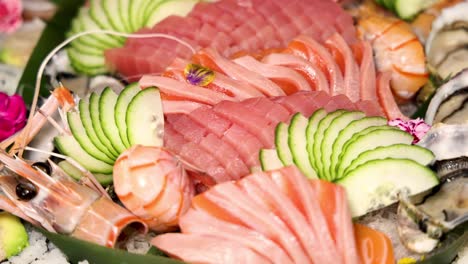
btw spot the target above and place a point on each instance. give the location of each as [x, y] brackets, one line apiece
[334, 205]
[279, 215]
[256, 217]
[196, 248]
[315, 77]
[314, 52]
[386, 99]
[183, 90]
[289, 80]
[212, 59]
[269, 195]
[373, 246]
[295, 186]
[249, 238]
[345, 59]
[365, 57]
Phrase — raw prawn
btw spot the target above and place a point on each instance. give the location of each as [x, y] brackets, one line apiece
[59, 204]
[397, 49]
[171, 191]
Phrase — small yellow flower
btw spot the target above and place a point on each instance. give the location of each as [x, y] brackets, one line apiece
[407, 261]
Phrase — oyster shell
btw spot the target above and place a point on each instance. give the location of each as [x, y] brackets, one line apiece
[449, 104]
[446, 46]
[422, 226]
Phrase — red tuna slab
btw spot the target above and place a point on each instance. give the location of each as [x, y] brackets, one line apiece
[248, 26]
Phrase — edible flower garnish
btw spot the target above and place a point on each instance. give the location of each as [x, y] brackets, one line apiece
[12, 115]
[10, 15]
[416, 127]
[198, 75]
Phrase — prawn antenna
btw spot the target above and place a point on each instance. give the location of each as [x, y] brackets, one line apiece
[46, 60]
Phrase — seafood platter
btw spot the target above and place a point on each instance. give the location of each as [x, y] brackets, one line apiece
[242, 131]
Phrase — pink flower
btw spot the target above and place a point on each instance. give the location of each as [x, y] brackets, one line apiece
[12, 115]
[10, 15]
[416, 127]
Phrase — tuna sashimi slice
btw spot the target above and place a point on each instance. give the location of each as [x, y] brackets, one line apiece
[180, 107]
[230, 133]
[249, 238]
[256, 217]
[197, 248]
[340, 102]
[226, 155]
[250, 146]
[316, 78]
[267, 194]
[302, 102]
[265, 107]
[289, 80]
[345, 58]
[371, 108]
[255, 124]
[210, 143]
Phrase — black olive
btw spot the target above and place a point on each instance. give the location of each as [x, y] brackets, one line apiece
[45, 167]
[26, 191]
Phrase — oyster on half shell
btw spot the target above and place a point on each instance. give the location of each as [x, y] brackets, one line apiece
[447, 44]
[421, 226]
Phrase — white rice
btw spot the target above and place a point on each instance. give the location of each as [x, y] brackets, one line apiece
[40, 251]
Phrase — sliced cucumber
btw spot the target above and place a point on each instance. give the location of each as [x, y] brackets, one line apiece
[124, 7]
[125, 97]
[68, 145]
[145, 118]
[151, 8]
[94, 64]
[297, 142]
[79, 132]
[101, 41]
[281, 144]
[107, 103]
[112, 11]
[136, 13]
[330, 135]
[94, 113]
[419, 154]
[75, 173]
[88, 126]
[346, 134]
[318, 137]
[376, 183]
[269, 160]
[408, 9]
[98, 14]
[314, 120]
[83, 47]
[371, 140]
[173, 7]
